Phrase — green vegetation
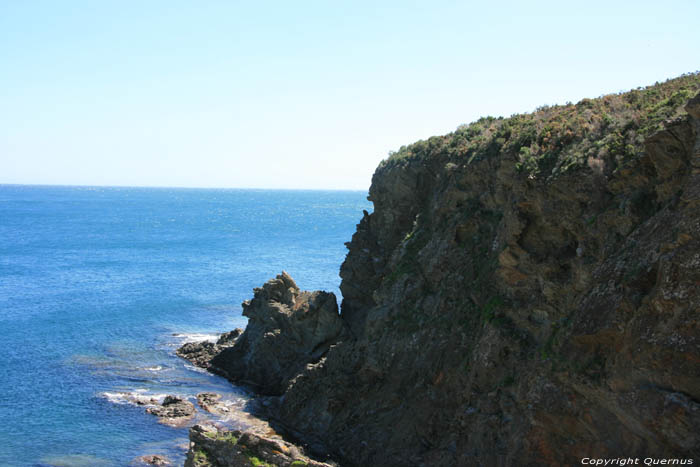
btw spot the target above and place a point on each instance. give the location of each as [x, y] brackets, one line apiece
[222, 436]
[257, 462]
[201, 457]
[228, 437]
[298, 464]
[609, 131]
[489, 309]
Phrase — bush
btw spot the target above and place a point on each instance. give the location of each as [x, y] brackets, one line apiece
[557, 139]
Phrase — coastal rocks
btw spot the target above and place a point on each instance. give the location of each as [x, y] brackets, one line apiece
[173, 411]
[287, 329]
[201, 353]
[154, 459]
[211, 402]
[211, 447]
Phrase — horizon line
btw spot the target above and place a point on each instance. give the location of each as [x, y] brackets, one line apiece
[163, 187]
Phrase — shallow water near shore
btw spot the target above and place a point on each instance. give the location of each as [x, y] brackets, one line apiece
[98, 286]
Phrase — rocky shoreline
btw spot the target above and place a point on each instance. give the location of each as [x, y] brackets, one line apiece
[495, 313]
[497, 310]
[211, 418]
[210, 446]
[287, 330]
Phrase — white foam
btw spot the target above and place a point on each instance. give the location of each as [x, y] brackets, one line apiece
[186, 338]
[114, 397]
[196, 368]
[135, 397]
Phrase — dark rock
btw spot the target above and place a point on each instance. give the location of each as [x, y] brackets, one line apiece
[173, 410]
[499, 314]
[201, 353]
[504, 319]
[287, 329]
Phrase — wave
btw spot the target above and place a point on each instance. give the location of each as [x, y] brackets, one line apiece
[186, 337]
[196, 368]
[135, 397]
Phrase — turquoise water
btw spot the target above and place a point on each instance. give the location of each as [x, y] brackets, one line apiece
[98, 286]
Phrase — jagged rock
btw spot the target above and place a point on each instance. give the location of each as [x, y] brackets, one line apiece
[211, 447]
[287, 329]
[201, 353]
[173, 410]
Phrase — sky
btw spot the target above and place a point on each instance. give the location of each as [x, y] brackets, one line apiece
[303, 94]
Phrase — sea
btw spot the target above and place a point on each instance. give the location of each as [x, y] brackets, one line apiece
[100, 285]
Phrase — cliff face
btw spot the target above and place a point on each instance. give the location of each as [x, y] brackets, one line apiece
[526, 291]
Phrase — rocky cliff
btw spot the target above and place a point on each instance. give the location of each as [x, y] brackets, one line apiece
[526, 292]
[287, 329]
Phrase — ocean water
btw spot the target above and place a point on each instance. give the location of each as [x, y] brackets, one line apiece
[98, 286]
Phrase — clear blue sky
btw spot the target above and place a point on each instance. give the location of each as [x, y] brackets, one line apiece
[298, 94]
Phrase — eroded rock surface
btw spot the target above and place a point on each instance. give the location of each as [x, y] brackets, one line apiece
[173, 410]
[212, 447]
[287, 329]
[510, 318]
[502, 308]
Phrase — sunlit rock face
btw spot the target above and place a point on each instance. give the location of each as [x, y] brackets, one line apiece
[506, 315]
[525, 292]
[287, 329]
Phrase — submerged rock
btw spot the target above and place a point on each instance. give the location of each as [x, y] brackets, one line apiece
[212, 447]
[287, 330]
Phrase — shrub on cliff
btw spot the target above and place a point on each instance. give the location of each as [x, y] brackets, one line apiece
[606, 132]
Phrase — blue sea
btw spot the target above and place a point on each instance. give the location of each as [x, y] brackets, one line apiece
[98, 287]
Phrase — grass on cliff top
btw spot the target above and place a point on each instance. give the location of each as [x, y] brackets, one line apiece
[554, 140]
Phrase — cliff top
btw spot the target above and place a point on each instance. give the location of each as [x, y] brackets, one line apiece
[608, 131]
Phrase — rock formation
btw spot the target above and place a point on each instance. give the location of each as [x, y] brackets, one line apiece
[526, 292]
[287, 329]
[173, 411]
[210, 446]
